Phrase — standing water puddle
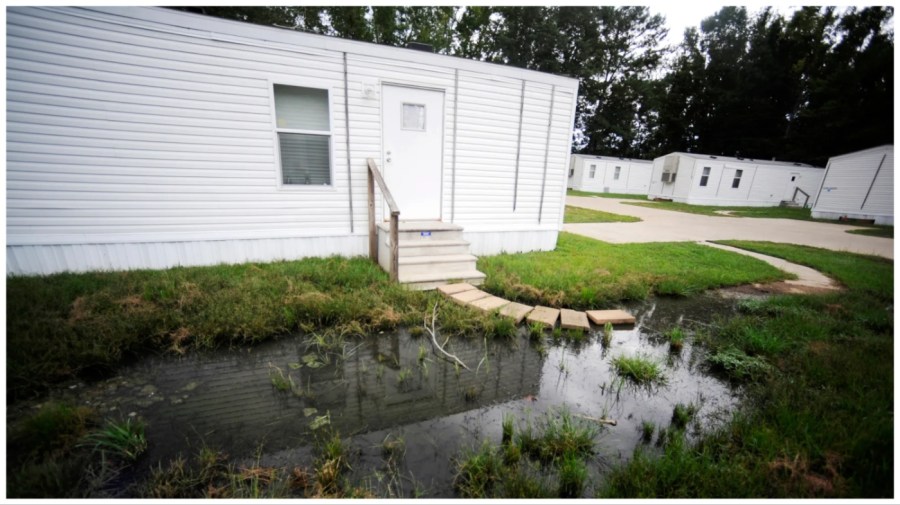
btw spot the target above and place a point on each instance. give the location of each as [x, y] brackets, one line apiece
[226, 400]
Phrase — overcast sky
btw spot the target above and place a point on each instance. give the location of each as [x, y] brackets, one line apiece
[680, 15]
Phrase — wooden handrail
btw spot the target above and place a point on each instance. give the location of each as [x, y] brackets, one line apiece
[374, 175]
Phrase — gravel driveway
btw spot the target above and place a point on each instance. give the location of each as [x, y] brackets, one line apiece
[672, 226]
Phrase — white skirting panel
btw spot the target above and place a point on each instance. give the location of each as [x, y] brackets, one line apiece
[836, 214]
[50, 259]
[497, 242]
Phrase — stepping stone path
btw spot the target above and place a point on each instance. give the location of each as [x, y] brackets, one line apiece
[468, 295]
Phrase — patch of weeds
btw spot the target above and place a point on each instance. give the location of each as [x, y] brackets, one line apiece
[560, 434]
[682, 414]
[737, 365]
[332, 463]
[423, 353]
[472, 393]
[55, 427]
[647, 429]
[416, 331]
[123, 439]
[404, 377]
[500, 327]
[639, 369]
[535, 331]
[576, 336]
[557, 333]
[479, 473]
[572, 476]
[508, 429]
[393, 448]
[607, 335]
[675, 336]
[280, 381]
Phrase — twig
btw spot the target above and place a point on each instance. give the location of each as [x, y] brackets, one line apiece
[601, 420]
[435, 342]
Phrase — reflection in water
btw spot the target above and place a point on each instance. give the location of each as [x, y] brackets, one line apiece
[394, 384]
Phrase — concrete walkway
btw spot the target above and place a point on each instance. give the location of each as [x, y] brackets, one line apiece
[806, 277]
[671, 226]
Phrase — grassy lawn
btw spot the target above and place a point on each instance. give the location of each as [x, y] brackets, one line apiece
[818, 376]
[625, 196]
[875, 231]
[583, 273]
[581, 215]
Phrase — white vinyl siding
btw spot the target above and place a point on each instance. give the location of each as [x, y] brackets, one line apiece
[150, 126]
[858, 185]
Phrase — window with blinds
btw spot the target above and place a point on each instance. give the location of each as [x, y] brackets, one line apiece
[303, 126]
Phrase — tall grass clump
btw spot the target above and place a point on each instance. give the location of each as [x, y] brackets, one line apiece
[639, 369]
[123, 439]
[675, 336]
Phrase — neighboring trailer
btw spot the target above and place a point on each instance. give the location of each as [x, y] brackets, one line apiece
[142, 137]
[605, 174]
[858, 185]
[701, 179]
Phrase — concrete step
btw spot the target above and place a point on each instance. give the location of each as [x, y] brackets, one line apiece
[432, 280]
[447, 265]
[424, 230]
[433, 248]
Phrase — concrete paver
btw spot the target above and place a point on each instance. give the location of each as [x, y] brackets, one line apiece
[544, 315]
[671, 226]
[488, 303]
[451, 289]
[573, 320]
[465, 297]
[610, 316]
[516, 311]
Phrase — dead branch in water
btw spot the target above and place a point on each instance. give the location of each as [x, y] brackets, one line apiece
[601, 420]
[434, 341]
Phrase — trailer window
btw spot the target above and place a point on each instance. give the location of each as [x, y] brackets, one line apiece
[303, 127]
[616, 173]
[704, 179]
[737, 178]
[593, 171]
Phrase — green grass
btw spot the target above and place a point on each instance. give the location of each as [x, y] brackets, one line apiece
[875, 231]
[817, 371]
[87, 325]
[583, 273]
[546, 461]
[639, 369]
[124, 439]
[625, 196]
[582, 215]
[675, 336]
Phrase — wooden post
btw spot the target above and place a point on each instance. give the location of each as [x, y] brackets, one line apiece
[373, 232]
[395, 247]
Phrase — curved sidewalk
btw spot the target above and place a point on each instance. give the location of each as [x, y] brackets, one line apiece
[672, 226]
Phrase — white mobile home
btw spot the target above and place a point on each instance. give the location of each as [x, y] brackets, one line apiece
[605, 174]
[147, 138]
[858, 185]
[702, 179]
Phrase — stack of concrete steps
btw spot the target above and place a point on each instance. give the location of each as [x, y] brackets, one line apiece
[432, 253]
[789, 203]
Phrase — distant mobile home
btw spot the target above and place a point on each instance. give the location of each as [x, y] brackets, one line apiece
[142, 137]
[702, 179]
[858, 185]
[606, 174]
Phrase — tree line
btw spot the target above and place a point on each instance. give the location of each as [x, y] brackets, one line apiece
[802, 87]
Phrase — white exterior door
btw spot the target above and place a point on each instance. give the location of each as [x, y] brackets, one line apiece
[413, 129]
[792, 185]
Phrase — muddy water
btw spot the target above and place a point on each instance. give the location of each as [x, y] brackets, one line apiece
[394, 385]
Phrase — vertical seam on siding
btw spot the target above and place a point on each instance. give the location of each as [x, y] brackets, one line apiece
[347, 140]
[872, 185]
[546, 152]
[519, 146]
[453, 170]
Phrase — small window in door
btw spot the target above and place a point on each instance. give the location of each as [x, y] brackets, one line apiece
[616, 173]
[793, 178]
[413, 117]
[593, 171]
[704, 179]
[737, 178]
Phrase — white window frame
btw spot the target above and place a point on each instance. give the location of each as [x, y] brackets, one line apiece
[592, 171]
[279, 175]
[736, 182]
[705, 173]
